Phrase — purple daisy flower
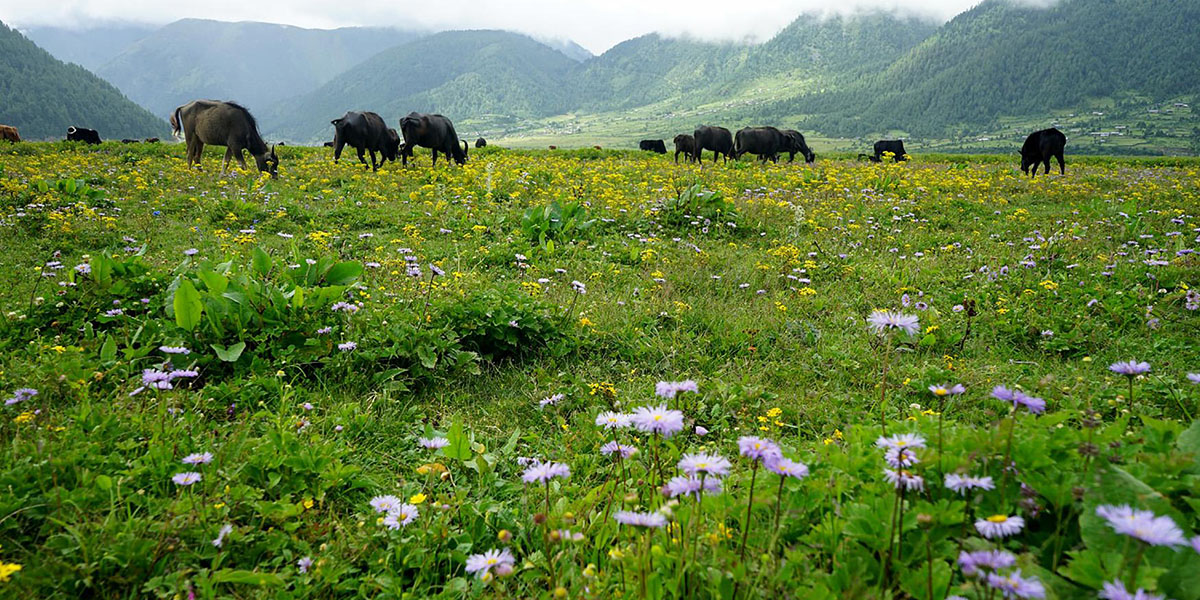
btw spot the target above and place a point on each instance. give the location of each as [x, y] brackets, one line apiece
[347, 346]
[198, 458]
[900, 440]
[706, 464]
[965, 483]
[692, 486]
[884, 321]
[551, 400]
[174, 350]
[668, 389]
[304, 564]
[386, 504]
[543, 472]
[1129, 368]
[946, 389]
[904, 479]
[1015, 586]
[640, 519]
[999, 526]
[482, 564]
[613, 420]
[1193, 377]
[787, 468]
[1116, 590]
[1142, 524]
[186, 478]
[657, 419]
[21, 395]
[756, 448]
[402, 516]
[624, 450]
[225, 530]
[433, 443]
[900, 458]
[974, 563]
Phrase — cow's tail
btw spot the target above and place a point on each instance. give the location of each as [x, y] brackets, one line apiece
[464, 142]
[176, 123]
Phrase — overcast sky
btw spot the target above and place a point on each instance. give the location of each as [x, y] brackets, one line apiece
[595, 24]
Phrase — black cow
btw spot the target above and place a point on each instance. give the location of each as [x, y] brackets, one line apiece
[896, 147]
[128, 141]
[328, 144]
[687, 145]
[80, 134]
[434, 132]
[151, 140]
[365, 132]
[766, 142]
[1040, 147]
[796, 143]
[717, 139]
[481, 143]
[653, 146]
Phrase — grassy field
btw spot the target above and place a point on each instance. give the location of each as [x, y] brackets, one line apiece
[230, 377]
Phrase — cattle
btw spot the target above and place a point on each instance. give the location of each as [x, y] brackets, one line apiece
[687, 145]
[869, 157]
[596, 148]
[434, 132]
[766, 142]
[8, 133]
[128, 141]
[656, 146]
[330, 144]
[365, 132]
[554, 147]
[1040, 147]
[481, 143]
[223, 124]
[81, 134]
[717, 139]
[896, 147]
[796, 144]
[151, 140]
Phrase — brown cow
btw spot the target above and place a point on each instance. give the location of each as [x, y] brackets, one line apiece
[222, 124]
[554, 147]
[9, 133]
[596, 147]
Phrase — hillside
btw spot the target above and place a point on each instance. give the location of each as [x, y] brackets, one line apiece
[42, 96]
[256, 64]
[460, 73]
[88, 47]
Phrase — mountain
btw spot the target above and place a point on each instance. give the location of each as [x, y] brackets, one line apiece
[569, 48]
[459, 73]
[256, 64]
[88, 47]
[1004, 58]
[42, 96]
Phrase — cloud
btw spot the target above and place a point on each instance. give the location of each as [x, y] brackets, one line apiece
[595, 24]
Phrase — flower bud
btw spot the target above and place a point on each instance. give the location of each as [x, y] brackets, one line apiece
[504, 535]
[539, 518]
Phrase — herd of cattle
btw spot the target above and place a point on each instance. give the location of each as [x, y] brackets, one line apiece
[230, 125]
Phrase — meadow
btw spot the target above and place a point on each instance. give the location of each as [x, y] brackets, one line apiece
[597, 374]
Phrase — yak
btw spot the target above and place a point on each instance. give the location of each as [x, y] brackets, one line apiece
[365, 132]
[656, 146]
[896, 147]
[434, 132]
[481, 143]
[81, 134]
[687, 145]
[128, 141]
[8, 133]
[151, 140]
[796, 144]
[717, 139]
[1040, 147]
[223, 124]
[766, 142]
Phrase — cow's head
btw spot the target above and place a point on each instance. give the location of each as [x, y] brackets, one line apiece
[268, 163]
[811, 157]
[1025, 161]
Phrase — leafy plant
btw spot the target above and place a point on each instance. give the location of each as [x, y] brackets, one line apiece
[544, 225]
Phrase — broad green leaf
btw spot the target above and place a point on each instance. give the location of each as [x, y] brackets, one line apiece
[261, 261]
[343, 273]
[231, 353]
[104, 482]
[298, 297]
[459, 447]
[1189, 441]
[108, 351]
[188, 307]
[215, 282]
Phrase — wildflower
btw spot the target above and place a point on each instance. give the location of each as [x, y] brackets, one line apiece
[625, 450]
[552, 400]
[612, 420]
[1015, 586]
[1196, 544]
[304, 564]
[657, 419]
[344, 307]
[668, 389]
[579, 287]
[1142, 524]
[701, 431]
[437, 271]
[900, 458]
[226, 529]
[992, 560]
[417, 498]
[965, 483]
[999, 526]
[21, 395]
[904, 479]
[324, 330]
[1018, 398]
[186, 478]
[640, 519]
[543, 472]
[901, 440]
[1129, 368]
[883, 321]
[691, 485]
[433, 443]
[787, 468]
[756, 448]
[347, 346]
[706, 464]
[174, 350]
[567, 535]
[947, 389]
[1193, 377]
[1116, 590]
[198, 458]
[387, 504]
[402, 516]
[481, 564]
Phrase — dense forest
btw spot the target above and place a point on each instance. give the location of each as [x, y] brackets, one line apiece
[42, 96]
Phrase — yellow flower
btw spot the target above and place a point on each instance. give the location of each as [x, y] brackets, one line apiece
[308, 503]
[24, 417]
[417, 499]
[7, 569]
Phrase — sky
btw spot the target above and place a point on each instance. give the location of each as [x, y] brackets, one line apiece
[594, 24]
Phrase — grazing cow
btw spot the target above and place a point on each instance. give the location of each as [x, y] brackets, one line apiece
[687, 145]
[717, 139]
[656, 146]
[481, 143]
[223, 124]
[795, 143]
[8, 133]
[434, 132]
[151, 140]
[330, 144]
[1040, 147]
[869, 157]
[554, 147]
[81, 134]
[365, 132]
[766, 142]
[596, 148]
[128, 141]
[896, 147]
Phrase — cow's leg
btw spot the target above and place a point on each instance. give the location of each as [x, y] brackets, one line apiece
[434, 151]
[240, 157]
[1062, 164]
[677, 157]
[374, 165]
[337, 150]
[228, 155]
[361, 155]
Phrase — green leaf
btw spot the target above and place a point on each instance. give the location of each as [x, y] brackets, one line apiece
[104, 482]
[261, 261]
[108, 351]
[298, 297]
[1189, 441]
[188, 307]
[344, 273]
[247, 577]
[231, 353]
[459, 447]
[215, 282]
[916, 581]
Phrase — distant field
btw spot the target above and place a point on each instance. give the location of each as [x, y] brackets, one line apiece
[307, 331]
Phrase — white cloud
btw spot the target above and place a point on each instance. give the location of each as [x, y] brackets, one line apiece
[594, 24]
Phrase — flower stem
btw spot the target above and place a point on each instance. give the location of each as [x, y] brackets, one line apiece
[887, 356]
